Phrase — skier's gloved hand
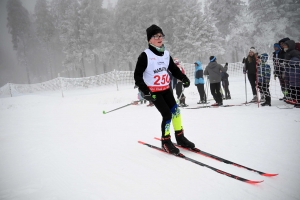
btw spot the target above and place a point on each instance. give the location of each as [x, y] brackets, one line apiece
[244, 70]
[149, 96]
[186, 82]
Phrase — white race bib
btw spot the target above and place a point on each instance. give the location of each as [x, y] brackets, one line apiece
[156, 74]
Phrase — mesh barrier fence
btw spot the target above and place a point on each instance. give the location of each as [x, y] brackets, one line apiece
[287, 82]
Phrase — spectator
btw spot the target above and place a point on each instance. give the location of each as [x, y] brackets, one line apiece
[250, 68]
[295, 80]
[264, 75]
[199, 82]
[290, 52]
[225, 82]
[213, 69]
[278, 68]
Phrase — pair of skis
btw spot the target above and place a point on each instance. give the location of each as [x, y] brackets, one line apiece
[198, 151]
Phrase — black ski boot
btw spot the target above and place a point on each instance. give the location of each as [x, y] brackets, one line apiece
[182, 141]
[168, 145]
[267, 102]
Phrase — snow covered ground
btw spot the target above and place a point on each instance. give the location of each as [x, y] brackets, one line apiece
[55, 148]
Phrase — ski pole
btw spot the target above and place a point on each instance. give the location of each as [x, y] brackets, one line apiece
[246, 88]
[104, 112]
[178, 100]
[207, 80]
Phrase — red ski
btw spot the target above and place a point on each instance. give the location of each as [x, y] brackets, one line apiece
[203, 153]
[180, 155]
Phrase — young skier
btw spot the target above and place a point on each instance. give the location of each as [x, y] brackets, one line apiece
[151, 75]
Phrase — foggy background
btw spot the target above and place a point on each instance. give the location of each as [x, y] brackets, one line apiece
[87, 42]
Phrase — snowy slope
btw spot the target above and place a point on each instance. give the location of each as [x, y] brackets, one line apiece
[65, 148]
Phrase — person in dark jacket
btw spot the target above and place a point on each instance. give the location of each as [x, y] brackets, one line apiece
[225, 82]
[295, 80]
[278, 57]
[290, 52]
[152, 78]
[264, 75]
[199, 82]
[251, 63]
[213, 69]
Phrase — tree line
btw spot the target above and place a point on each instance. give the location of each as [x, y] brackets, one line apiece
[82, 38]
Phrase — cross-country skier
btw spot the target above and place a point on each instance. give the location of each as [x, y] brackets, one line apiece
[151, 75]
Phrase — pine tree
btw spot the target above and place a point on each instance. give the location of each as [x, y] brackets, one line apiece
[18, 24]
[45, 29]
[70, 36]
[194, 37]
[93, 35]
[224, 14]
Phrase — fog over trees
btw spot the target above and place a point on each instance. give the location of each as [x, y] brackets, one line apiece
[82, 38]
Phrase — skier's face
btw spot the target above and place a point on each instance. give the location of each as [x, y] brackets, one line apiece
[251, 53]
[157, 40]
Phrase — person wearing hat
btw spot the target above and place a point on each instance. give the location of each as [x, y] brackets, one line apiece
[152, 78]
[278, 58]
[213, 69]
[264, 76]
[251, 63]
[290, 52]
[199, 82]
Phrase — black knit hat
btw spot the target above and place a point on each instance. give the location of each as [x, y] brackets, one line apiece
[212, 58]
[152, 30]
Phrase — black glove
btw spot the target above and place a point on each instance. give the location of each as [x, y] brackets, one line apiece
[186, 82]
[244, 60]
[244, 70]
[149, 96]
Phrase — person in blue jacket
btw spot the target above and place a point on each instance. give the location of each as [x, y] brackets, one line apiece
[264, 76]
[199, 82]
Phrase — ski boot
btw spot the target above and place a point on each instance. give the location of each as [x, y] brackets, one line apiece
[168, 146]
[182, 141]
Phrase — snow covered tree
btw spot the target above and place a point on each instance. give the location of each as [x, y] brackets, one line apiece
[131, 21]
[222, 15]
[45, 30]
[18, 24]
[273, 20]
[194, 37]
[93, 28]
[70, 36]
[225, 13]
